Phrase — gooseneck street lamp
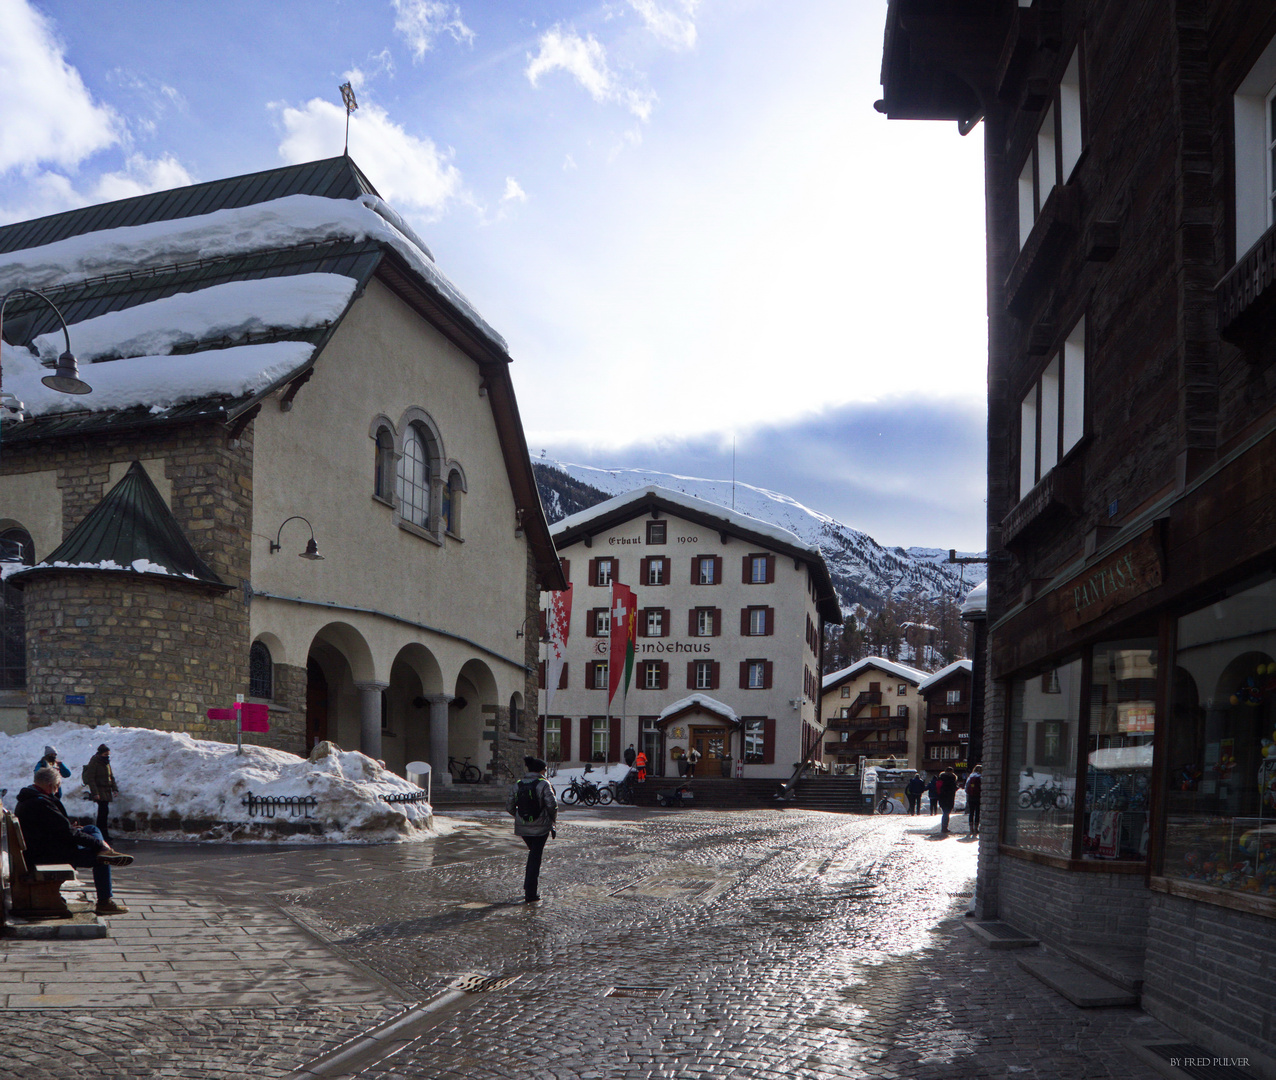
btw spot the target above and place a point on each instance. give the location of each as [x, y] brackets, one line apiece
[312, 549]
[66, 376]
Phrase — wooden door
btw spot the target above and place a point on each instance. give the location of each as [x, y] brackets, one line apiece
[316, 705]
[711, 742]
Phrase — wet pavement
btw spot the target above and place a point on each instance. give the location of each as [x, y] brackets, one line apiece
[669, 944]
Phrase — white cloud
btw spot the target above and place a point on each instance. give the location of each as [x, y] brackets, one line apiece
[50, 118]
[421, 21]
[674, 25]
[47, 192]
[513, 192]
[410, 172]
[586, 61]
[382, 64]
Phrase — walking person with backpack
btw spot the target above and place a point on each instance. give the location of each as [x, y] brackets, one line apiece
[535, 811]
[974, 788]
[946, 792]
[100, 781]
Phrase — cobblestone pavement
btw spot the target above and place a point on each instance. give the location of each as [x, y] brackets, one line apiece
[687, 944]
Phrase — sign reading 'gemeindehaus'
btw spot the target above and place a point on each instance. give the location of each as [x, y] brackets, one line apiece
[1123, 575]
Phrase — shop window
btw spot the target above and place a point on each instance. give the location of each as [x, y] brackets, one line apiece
[1220, 760]
[553, 738]
[261, 671]
[1041, 765]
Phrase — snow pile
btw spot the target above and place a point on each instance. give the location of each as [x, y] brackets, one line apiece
[280, 223]
[173, 784]
[137, 566]
[231, 309]
[158, 381]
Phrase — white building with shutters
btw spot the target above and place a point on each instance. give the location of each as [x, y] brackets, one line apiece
[731, 612]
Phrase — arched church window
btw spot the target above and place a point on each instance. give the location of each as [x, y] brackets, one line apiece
[261, 671]
[415, 474]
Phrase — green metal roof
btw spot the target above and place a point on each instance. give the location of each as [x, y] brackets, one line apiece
[131, 522]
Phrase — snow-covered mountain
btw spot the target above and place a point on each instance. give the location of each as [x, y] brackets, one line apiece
[863, 571]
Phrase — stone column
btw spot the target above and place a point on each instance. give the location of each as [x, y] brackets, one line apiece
[370, 717]
[438, 737]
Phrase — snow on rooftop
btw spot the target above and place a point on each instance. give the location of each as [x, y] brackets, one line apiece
[231, 309]
[903, 671]
[943, 673]
[158, 381]
[729, 518]
[137, 566]
[976, 602]
[280, 223]
[162, 773]
[701, 701]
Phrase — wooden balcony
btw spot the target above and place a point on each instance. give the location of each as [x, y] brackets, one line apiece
[1057, 494]
[1038, 259]
[1246, 296]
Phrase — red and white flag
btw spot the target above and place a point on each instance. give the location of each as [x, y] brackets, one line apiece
[624, 637]
[558, 621]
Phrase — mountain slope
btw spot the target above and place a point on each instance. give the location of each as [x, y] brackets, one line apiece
[863, 571]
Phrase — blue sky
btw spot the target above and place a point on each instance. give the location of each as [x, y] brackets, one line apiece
[684, 215]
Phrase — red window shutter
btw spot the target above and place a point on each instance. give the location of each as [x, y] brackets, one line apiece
[666, 579]
[715, 671]
[593, 571]
[586, 739]
[770, 621]
[589, 675]
[691, 674]
[562, 678]
[664, 674]
[642, 622]
[540, 675]
[766, 674]
[768, 741]
[613, 749]
[565, 738]
[717, 622]
[744, 622]
[666, 622]
[746, 571]
[642, 571]
[744, 674]
[567, 565]
[691, 622]
[695, 569]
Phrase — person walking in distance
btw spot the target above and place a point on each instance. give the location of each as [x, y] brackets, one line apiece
[931, 795]
[640, 763]
[693, 757]
[630, 755]
[914, 792]
[974, 785]
[100, 781]
[535, 811]
[946, 793]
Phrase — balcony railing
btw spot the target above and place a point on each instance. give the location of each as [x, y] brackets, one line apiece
[1057, 493]
[1246, 291]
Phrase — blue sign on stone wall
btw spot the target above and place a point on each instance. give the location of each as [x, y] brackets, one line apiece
[76, 699]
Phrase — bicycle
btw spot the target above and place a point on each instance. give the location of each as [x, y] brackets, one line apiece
[583, 791]
[463, 772]
[622, 791]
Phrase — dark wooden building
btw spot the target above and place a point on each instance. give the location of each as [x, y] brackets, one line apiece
[1130, 721]
[946, 737]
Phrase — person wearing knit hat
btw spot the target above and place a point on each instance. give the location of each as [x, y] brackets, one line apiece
[51, 760]
[535, 811]
[100, 781]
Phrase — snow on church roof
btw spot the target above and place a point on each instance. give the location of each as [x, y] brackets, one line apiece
[729, 518]
[902, 671]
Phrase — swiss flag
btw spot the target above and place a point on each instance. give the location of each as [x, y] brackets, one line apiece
[624, 634]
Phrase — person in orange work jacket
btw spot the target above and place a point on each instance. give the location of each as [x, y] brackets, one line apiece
[640, 763]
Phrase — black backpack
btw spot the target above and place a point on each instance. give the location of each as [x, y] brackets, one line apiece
[528, 802]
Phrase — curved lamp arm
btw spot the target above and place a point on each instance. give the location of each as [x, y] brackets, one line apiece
[312, 549]
[66, 376]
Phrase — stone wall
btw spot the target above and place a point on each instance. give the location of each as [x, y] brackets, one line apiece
[1073, 908]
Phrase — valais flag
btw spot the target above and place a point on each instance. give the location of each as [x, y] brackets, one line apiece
[558, 620]
[624, 636]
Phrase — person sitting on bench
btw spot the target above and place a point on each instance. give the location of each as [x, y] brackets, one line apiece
[52, 838]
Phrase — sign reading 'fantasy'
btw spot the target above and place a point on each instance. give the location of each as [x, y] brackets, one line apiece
[1123, 575]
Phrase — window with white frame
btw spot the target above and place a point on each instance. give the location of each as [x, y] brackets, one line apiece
[757, 569]
[651, 675]
[943, 723]
[1056, 149]
[605, 570]
[656, 570]
[754, 738]
[757, 674]
[704, 622]
[954, 697]
[706, 570]
[1255, 143]
[599, 668]
[903, 690]
[655, 622]
[1052, 413]
[602, 622]
[757, 622]
[901, 710]
[415, 477]
[553, 738]
[601, 738]
[704, 674]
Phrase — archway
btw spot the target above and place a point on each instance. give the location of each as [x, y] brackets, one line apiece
[471, 713]
[343, 699]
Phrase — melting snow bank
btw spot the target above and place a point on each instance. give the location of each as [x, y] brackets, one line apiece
[179, 788]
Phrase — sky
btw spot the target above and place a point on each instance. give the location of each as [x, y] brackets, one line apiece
[684, 216]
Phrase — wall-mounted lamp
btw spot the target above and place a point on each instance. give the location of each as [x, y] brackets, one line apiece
[66, 376]
[312, 549]
[545, 639]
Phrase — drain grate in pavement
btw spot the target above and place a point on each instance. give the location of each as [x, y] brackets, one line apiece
[1197, 1062]
[473, 983]
[650, 993]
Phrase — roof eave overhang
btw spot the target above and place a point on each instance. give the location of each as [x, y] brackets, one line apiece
[23, 577]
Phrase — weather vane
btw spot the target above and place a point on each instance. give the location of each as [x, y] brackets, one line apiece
[347, 95]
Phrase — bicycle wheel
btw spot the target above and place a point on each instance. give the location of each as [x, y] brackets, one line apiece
[604, 796]
[568, 796]
[884, 807]
[472, 775]
[1062, 801]
[1025, 799]
[590, 798]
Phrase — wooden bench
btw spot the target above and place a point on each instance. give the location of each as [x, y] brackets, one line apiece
[35, 891]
